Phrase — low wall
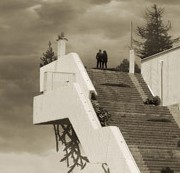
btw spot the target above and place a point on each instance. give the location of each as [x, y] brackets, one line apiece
[101, 145]
[61, 99]
[163, 82]
[70, 63]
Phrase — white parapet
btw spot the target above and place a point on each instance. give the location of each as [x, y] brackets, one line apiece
[55, 80]
[70, 63]
[66, 89]
[101, 145]
[163, 80]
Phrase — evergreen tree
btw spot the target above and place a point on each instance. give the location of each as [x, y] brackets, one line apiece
[48, 57]
[154, 34]
[124, 67]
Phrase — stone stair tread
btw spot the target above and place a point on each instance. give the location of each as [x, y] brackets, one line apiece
[150, 131]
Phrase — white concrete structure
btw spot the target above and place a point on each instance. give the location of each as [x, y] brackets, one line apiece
[61, 45]
[67, 89]
[131, 61]
[162, 73]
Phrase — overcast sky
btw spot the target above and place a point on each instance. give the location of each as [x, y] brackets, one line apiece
[26, 26]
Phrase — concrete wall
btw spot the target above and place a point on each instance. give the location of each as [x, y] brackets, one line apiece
[170, 80]
[70, 63]
[62, 99]
[101, 145]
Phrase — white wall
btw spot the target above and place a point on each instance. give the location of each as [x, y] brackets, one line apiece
[70, 63]
[61, 99]
[151, 71]
[101, 145]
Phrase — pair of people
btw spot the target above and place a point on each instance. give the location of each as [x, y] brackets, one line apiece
[102, 59]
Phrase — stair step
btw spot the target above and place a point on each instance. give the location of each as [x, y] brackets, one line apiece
[150, 132]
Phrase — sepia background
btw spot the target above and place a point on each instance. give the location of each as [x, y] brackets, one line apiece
[26, 27]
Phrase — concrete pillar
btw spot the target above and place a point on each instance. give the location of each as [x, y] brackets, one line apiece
[61, 50]
[162, 82]
[131, 61]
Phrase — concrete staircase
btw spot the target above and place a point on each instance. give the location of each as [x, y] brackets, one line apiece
[114, 87]
[66, 92]
[150, 131]
[138, 87]
[174, 109]
[143, 84]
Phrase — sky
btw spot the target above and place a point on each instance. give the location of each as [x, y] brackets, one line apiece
[26, 27]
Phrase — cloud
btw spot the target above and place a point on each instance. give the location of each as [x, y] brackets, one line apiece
[19, 77]
[12, 6]
[27, 26]
[18, 84]
[48, 162]
[18, 163]
[99, 1]
[165, 2]
[57, 13]
[61, 13]
[17, 133]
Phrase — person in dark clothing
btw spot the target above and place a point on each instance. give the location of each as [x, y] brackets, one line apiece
[99, 59]
[104, 59]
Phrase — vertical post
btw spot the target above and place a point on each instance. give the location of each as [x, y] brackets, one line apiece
[45, 82]
[131, 52]
[162, 63]
[131, 61]
[61, 51]
[131, 39]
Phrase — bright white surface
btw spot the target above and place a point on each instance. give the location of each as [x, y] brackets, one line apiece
[72, 100]
[47, 68]
[61, 48]
[54, 80]
[70, 63]
[151, 71]
[131, 61]
[101, 145]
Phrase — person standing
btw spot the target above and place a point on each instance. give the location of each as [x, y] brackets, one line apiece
[99, 59]
[104, 59]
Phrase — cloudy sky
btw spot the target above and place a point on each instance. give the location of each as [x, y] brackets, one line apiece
[26, 26]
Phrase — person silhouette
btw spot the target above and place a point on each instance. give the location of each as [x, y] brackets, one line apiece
[104, 59]
[99, 59]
